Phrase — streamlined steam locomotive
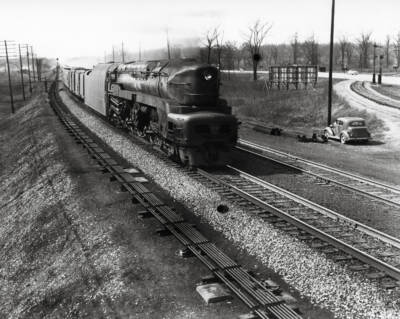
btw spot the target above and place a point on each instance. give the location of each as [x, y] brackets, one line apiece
[175, 104]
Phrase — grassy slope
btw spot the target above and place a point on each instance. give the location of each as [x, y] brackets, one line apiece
[295, 109]
[71, 246]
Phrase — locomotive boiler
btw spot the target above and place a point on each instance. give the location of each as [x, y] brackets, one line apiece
[175, 104]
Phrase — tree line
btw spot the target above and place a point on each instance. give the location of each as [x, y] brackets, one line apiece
[255, 53]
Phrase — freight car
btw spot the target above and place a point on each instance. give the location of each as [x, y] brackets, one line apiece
[175, 104]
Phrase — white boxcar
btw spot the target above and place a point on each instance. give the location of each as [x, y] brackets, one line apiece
[96, 82]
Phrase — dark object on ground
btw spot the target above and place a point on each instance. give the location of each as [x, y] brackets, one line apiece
[276, 131]
[222, 209]
[315, 138]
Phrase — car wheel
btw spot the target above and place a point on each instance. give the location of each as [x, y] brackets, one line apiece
[343, 139]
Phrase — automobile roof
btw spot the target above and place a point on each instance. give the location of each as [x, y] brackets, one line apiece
[350, 118]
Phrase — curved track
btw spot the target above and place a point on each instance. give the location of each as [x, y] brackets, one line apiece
[366, 249]
[364, 186]
[364, 89]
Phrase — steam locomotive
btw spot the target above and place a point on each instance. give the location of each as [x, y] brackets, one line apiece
[174, 104]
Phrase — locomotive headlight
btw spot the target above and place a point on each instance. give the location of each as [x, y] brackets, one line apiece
[207, 76]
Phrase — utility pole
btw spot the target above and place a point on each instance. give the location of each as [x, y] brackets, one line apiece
[22, 73]
[330, 63]
[168, 48]
[9, 78]
[38, 69]
[122, 52]
[380, 69]
[105, 59]
[29, 71]
[33, 65]
[373, 74]
[140, 51]
[113, 54]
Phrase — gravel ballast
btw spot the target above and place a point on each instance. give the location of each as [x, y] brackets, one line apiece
[326, 283]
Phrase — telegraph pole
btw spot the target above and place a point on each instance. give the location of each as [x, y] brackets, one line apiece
[29, 71]
[38, 69]
[33, 65]
[168, 47]
[373, 74]
[122, 52]
[330, 63]
[113, 54]
[9, 78]
[22, 73]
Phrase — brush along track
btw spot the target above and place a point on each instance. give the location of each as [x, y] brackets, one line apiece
[258, 296]
[327, 175]
[344, 240]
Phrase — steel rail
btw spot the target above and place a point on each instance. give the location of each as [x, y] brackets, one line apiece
[322, 210]
[243, 145]
[259, 298]
[356, 253]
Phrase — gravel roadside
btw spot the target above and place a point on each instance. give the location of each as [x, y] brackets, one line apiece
[330, 285]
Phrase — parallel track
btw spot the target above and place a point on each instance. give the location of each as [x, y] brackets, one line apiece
[257, 295]
[364, 186]
[359, 88]
[366, 249]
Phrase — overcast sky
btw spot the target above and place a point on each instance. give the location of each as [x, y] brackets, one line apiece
[73, 28]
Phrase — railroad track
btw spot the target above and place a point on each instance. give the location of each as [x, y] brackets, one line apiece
[342, 239]
[261, 298]
[378, 252]
[359, 88]
[327, 175]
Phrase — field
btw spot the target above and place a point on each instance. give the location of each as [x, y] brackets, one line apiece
[300, 110]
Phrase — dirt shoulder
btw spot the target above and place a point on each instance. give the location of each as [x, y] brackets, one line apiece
[72, 245]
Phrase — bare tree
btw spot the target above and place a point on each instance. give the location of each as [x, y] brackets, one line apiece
[295, 48]
[219, 38]
[255, 39]
[210, 42]
[230, 52]
[364, 44]
[387, 51]
[397, 48]
[274, 54]
[349, 53]
[343, 44]
[311, 52]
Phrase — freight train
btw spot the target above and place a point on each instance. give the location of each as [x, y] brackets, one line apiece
[175, 104]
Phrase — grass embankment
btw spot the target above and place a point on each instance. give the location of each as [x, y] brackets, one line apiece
[299, 110]
[48, 267]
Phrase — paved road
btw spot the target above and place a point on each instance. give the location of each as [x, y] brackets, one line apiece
[336, 75]
[389, 115]
[361, 77]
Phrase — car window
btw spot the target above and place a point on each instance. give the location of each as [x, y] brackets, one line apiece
[357, 123]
